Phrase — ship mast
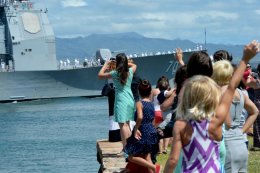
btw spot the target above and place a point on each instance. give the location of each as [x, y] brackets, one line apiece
[205, 37]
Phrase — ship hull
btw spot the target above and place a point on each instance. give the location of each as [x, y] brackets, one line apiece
[27, 85]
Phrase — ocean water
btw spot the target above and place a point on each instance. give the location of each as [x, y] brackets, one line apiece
[55, 135]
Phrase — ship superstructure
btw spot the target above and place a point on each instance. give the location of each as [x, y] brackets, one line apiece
[29, 67]
[29, 40]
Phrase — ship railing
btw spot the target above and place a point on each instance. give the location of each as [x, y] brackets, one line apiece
[4, 3]
[65, 66]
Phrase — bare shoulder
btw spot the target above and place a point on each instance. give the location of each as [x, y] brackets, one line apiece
[180, 125]
[155, 91]
[183, 131]
[139, 104]
[215, 131]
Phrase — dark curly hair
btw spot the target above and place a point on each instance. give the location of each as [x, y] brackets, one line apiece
[145, 88]
[222, 55]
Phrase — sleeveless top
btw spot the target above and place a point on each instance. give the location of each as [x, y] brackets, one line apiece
[236, 110]
[201, 155]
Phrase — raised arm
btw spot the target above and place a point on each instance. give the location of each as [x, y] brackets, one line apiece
[252, 113]
[132, 65]
[176, 147]
[168, 102]
[223, 109]
[169, 93]
[103, 73]
[179, 56]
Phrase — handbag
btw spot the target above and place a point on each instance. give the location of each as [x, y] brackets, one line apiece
[107, 89]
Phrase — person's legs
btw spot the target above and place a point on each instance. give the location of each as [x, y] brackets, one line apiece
[125, 132]
[160, 146]
[165, 145]
[148, 158]
[143, 162]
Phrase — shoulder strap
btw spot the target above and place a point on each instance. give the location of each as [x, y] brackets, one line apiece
[242, 98]
[241, 103]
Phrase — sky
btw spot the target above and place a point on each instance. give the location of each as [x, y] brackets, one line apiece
[225, 21]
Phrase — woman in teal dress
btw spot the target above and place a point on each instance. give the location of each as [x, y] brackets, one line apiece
[124, 101]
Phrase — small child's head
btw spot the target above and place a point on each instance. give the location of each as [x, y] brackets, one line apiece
[222, 55]
[145, 88]
[163, 83]
[200, 98]
[222, 72]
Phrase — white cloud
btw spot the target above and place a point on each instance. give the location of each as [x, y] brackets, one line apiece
[73, 3]
[257, 12]
[164, 19]
[250, 1]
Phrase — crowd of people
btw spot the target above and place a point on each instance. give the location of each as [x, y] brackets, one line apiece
[206, 116]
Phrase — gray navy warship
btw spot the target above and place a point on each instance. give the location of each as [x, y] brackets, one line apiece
[29, 68]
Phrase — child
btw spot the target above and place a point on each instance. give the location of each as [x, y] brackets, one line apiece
[202, 111]
[159, 94]
[140, 144]
[124, 105]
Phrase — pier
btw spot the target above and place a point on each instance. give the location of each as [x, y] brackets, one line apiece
[110, 156]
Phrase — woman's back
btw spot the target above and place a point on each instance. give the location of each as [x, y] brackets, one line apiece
[118, 85]
[147, 128]
[236, 109]
[124, 99]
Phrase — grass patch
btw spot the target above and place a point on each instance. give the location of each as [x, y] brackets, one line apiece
[253, 158]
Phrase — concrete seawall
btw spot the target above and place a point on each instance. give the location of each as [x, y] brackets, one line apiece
[110, 156]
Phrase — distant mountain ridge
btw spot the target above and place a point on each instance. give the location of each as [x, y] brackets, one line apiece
[131, 42]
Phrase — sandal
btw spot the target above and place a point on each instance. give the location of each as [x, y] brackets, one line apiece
[164, 152]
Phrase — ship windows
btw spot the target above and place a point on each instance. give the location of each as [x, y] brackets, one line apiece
[16, 43]
[22, 53]
[28, 50]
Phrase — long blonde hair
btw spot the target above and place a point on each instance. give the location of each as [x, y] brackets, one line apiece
[200, 98]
